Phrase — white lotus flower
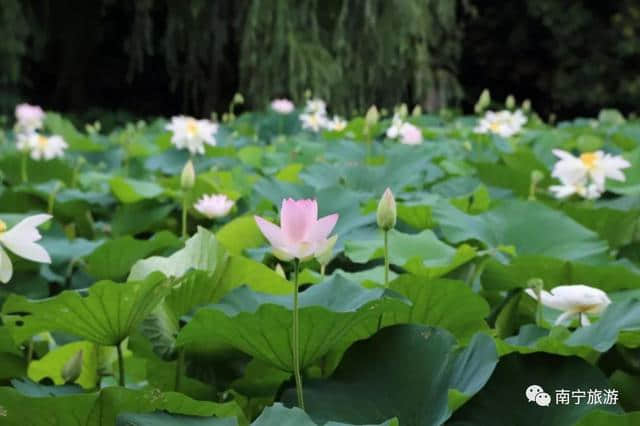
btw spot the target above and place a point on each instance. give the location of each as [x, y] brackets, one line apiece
[566, 189]
[192, 134]
[41, 147]
[313, 121]
[574, 300]
[20, 240]
[29, 118]
[590, 166]
[410, 134]
[337, 124]
[396, 125]
[317, 106]
[504, 123]
[282, 106]
[214, 206]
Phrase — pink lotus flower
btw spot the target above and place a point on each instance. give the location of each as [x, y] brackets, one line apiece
[300, 234]
[410, 134]
[29, 117]
[282, 106]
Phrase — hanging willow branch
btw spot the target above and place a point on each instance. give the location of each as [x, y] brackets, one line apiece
[351, 52]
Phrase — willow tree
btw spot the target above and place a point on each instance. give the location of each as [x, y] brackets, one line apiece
[351, 52]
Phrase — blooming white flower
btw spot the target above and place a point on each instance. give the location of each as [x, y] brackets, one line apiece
[574, 300]
[214, 206]
[590, 191]
[41, 147]
[337, 124]
[589, 167]
[396, 125]
[504, 123]
[410, 134]
[282, 106]
[192, 134]
[314, 121]
[29, 118]
[317, 106]
[20, 240]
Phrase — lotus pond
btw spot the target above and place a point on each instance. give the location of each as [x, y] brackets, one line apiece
[287, 267]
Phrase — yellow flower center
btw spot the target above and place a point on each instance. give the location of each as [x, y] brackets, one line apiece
[495, 126]
[589, 159]
[192, 127]
[3, 226]
[42, 141]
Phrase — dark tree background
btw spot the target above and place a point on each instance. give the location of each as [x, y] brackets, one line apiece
[160, 57]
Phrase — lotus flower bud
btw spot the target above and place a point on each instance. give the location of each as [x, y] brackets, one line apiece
[483, 101]
[402, 110]
[526, 105]
[72, 368]
[372, 115]
[188, 177]
[238, 98]
[386, 214]
[536, 176]
[510, 103]
[417, 111]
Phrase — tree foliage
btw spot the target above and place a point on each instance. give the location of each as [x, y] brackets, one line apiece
[169, 56]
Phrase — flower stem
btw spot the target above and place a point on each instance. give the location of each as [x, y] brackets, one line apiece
[23, 168]
[538, 309]
[296, 336]
[76, 168]
[386, 271]
[179, 365]
[476, 271]
[386, 258]
[120, 365]
[52, 197]
[184, 216]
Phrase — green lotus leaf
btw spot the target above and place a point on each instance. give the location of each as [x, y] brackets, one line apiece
[260, 324]
[415, 373]
[503, 399]
[102, 408]
[106, 315]
[279, 415]
[421, 254]
[519, 224]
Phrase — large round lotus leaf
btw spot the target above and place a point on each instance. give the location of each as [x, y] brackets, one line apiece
[503, 399]
[415, 373]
